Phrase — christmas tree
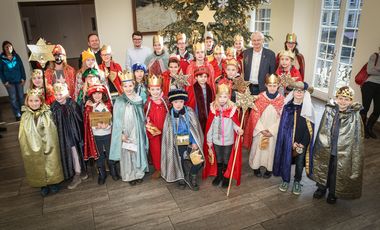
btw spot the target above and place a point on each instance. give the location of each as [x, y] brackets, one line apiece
[225, 18]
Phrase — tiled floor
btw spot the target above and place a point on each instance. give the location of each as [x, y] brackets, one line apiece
[155, 204]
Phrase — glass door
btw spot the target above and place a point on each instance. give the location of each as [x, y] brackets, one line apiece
[336, 45]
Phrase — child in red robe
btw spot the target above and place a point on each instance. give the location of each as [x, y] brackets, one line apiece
[286, 68]
[37, 81]
[201, 95]
[222, 129]
[168, 75]
[155, 110]
[217, 60]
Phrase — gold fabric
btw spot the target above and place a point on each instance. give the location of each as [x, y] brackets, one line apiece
[349, 151]
[40, 147]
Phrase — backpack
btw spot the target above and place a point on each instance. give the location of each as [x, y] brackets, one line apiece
[362, 76]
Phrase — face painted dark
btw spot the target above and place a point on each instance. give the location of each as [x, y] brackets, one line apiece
[58, 59]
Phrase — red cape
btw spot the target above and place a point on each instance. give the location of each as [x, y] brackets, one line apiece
[211, 78]
[261, 103]
[115, 69]
[211, 170]
[90, 150]
[294, 73]
[301, 62]
[70, 78]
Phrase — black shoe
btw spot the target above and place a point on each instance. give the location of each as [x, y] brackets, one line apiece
[319, 193]
[331, 199]
[113, 170]
[267, 174]
[182, 184]
[102, 176]
[226, 182]
[18, 118]
[139, 181]
[44, 191]
[132, 183]
[194, 183]
[3, 129]
[54, 188]
[219, 176]
[257, 173]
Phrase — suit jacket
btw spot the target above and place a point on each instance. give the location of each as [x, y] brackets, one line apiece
[267, 66]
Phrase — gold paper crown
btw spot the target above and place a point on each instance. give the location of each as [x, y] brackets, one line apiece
[35, 92]
[238, 37]
[158, 39]
[219, 49]
[287, 53]
[291, 37]
[345, 91]
[37, 72]
[106, 48]
[181, 36]
[87, 54]
[272, 79]
[153, 80]
[126, 76]
[222, 88]
[198, 46]
[61, 88]
[233, 62]
[231, 51]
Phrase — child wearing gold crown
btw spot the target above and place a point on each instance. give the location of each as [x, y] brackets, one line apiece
[182, 138]
[129, 143]
[201, 96]
[155, 109]
[287, 69]
[261, 131]
[295, 137]
[200, 60]
[67, 116]
[222, 129]
[217, 60]
[157, 62]
[338, 150]
[97, 130]
[231, 72]
[239, 47]
[39, 144]
[37, 82]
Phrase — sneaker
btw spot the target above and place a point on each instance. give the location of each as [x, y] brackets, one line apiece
[75, 182]
[297, 188]
[283, 186]
[319, 193]
[84, 176]
[44, 191]
[132, 183]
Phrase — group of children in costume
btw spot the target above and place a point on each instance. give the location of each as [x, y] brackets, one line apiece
[183, 129]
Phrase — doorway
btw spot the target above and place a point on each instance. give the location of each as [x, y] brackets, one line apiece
[62, 22]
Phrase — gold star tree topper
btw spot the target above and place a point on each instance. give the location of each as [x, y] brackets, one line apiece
[206, 15]
[181, 80]
[41, 52]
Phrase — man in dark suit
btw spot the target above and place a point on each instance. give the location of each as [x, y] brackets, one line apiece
[93, 44]
[258, 62]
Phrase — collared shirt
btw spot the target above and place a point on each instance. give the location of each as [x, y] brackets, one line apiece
[136, 55]
[256, 58]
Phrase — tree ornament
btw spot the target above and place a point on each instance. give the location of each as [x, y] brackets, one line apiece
[206, 16]
[222, 3]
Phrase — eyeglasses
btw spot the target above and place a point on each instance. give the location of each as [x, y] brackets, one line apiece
[137, 39]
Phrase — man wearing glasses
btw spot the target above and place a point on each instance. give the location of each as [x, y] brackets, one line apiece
[138, 53]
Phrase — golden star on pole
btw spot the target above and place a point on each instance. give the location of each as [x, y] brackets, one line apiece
[180, 80]
[41, 52]
[245, 100]
[240, 84]
[206, 16]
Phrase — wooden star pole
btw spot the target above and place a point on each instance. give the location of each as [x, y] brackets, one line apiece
[244, 101]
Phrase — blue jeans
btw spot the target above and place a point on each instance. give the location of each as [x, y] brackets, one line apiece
[16, 96]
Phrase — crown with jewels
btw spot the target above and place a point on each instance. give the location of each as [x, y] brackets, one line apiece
[61, 88]
[231, 51]
[106, 48]
[345, 91]
[126, 76]
[154, 81]
[291, 37]
[199, 46]
[233, 62]
[158, 39]
[222, 88]
[37, 73]
[238, 37]
[87, 54]
[219, 49]
[287, 53]
[36, 92]
[272, 79]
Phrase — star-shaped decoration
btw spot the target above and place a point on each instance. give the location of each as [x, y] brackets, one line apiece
[240, 84]
[41, 52]
[181, 80]
[206, 16]
[245, 100]
[285, 80]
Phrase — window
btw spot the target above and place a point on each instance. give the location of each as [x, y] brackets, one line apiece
[260, 20]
